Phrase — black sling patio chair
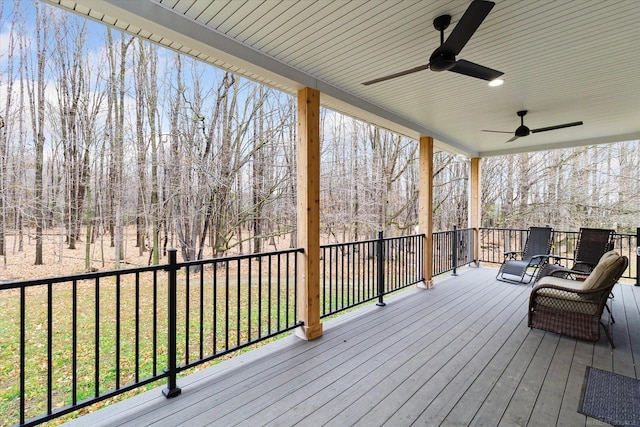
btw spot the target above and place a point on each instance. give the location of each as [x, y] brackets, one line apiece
[523, 266]
[592, 243]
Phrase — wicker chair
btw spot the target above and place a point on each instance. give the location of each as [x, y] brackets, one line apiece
[522, 266]
[573, 307]
[592, 243]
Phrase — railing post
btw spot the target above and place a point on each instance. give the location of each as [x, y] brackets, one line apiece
[454, 249]
[172, 389]
[380, 272]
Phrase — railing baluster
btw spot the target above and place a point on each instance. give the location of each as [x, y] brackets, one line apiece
[23, 340]
[259, 297]
[344, 290]
[172, 389]
[187, 311]
[226, 307]
[74, 343]
[359, 271]
[278, 284]
[380, 270]
[96, 356]
[323, 290]
[287, 269]
[49, 347]
[249, 286]
[215, 309]
[137, 328]
[295, 283]
[238, 298]
[201, 331]
[117, 343]
[155, 323]
[335, 303]
[269, 309]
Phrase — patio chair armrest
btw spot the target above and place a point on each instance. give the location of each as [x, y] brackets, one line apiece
[568, 273]
[574, 300]
[558, 260]
[542, 256]
[540, 260]
[565, 273]
[563, 292]
[513, 254]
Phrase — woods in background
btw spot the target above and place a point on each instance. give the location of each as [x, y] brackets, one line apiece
[100, 131]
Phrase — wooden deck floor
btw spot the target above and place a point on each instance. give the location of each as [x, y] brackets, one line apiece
[459, 354]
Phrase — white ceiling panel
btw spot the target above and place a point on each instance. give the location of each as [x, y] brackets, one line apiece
[564, 61]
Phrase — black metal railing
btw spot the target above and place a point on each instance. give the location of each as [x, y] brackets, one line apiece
[357, 272]
[452, 249]
[494, 242]
[81, 339]
[77, 340]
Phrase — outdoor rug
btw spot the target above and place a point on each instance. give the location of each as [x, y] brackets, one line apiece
[609, 397]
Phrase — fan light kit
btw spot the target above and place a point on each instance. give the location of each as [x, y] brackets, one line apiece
[444, 57]
[523, 131]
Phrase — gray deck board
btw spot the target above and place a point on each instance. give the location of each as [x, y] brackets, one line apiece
[459, 354]
[556, 376]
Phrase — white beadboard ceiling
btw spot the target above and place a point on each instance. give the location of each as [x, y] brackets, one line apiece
[564, 61]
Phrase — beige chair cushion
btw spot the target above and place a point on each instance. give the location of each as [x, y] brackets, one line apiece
[604, 272]
[576, 285]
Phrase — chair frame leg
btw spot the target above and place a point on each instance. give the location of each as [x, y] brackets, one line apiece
[610, 313]
[609, 338]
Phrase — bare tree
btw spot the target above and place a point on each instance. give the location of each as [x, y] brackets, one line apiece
[116, 132]
[36, 85]
[7, 79]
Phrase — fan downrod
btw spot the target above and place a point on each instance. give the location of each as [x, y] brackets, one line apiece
[522, 130]
[442, 60]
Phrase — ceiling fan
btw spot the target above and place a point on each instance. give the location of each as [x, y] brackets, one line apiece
[522, 130]
[444, 57]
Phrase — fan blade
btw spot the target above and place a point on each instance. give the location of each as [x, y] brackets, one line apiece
[475, 70]
[512, 139]
[468, 24]
[393, 76]
[497, 131]
[566, 125]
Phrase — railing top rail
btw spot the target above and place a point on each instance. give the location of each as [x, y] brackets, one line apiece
[504, 229]
[404, 237]
[14, 284]
[359, 242]
[451, 231]
[555, 231]
[238, 257]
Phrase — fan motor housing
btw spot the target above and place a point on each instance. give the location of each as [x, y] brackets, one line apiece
[441, 60]
[522, 131]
